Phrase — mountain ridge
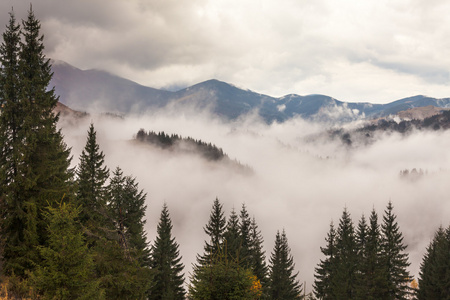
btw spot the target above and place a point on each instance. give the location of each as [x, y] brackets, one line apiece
[97, 90]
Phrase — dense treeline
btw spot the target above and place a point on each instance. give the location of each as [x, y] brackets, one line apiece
[79, 233]
[366, 262]
[436, 122]
[366, 134]
[233, 264]
[189, 145]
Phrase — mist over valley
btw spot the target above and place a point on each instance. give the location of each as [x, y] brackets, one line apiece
[301, 176]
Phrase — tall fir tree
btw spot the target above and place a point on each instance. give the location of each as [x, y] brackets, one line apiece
[324, 272]
[361, 238]
[120, 276]
[223, 279]
[92, 175]
[9, 106]
[257, 255]
[434, 275]
[361, 271]
[166, 262]
[283, 283]
[343, 280]
[41, 157]
[67, 271]
[12, 213]
[394, 258]
[135, 220]
[233, 240]
[127, 209]
[375, 283]
[442, 265]
[48, 158]
[215, 229]
[244, 233]
[122, 257]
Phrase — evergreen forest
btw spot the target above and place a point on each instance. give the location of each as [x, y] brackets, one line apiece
[78, 233]
[189, 145]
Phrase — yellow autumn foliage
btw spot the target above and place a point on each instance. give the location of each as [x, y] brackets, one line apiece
[414, 284]
[256, 286]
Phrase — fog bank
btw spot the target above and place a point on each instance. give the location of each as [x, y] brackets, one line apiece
[301, 181]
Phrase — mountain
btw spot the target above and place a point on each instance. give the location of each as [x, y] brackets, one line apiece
[227, 100]
[100, 91]
[96, 90]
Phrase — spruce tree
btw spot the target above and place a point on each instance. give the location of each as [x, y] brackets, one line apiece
[12, 212]
[223, 279]
[257, 255]
[67, 270]
[122, 257]
[362, 272]
[434, 276]
[283, 283]
[116, 203]
[233, 238]
[215, 229]
[127, 210]
[393, 257]
[40, 158]
[91, 178]
[370, 282]
[361, 238]
[324, 272]
[47, 167]
[441, 270]
[375, 282]
[135, 219]
[121, 276]
[9, 106]
[428, 288]
[343, 279]
[166, 262]
[244, 233]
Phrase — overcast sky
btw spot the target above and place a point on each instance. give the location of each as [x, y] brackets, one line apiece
[372, 50]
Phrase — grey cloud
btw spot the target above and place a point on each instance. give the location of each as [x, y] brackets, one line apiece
[429, 73]
[299, 47]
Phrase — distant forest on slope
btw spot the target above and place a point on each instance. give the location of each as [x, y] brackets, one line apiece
[367, 132]
[189, 145]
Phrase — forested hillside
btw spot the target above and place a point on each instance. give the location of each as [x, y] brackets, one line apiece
[368, 132]
[188, 145]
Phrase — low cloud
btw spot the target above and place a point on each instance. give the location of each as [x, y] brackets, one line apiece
[338, 114]
[300, 181]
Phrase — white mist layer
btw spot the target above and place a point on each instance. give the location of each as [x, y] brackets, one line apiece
[299, 184]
